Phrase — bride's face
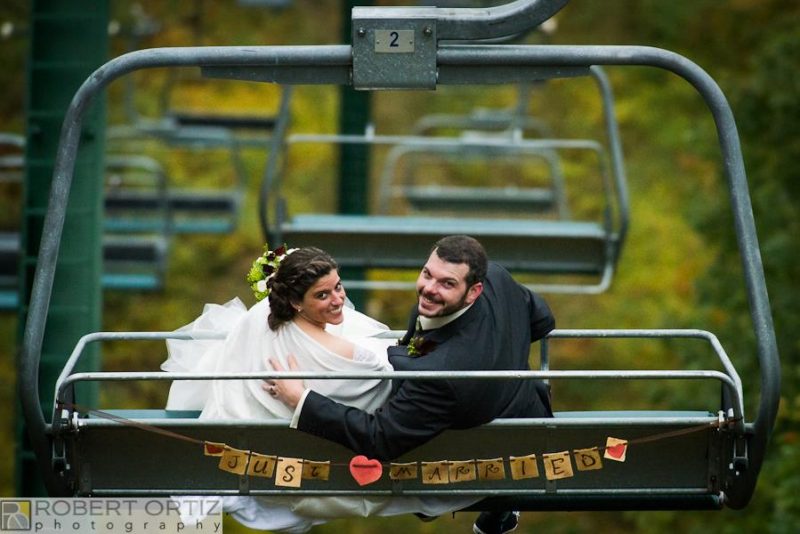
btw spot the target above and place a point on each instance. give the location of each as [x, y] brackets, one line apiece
[324, 300]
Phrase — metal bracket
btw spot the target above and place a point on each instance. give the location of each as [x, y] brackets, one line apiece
[740, 460]
[63, 421]
[394, 48]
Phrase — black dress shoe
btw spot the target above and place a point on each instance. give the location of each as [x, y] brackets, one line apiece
[496, 522]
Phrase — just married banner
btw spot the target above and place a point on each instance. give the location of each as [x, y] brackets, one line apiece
[290, 472]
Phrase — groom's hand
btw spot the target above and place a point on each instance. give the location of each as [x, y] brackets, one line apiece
[286, 390]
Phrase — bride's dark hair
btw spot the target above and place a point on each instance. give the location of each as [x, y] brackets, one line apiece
[298, 271]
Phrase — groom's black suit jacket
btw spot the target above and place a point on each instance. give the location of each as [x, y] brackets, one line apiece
[494, 334]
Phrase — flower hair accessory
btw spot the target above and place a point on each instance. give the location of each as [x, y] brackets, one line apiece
[264, 268]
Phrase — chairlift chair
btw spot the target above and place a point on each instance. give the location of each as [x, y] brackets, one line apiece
[136, 198]
[585, 249]
[11, 168]
[515, 120]
[515, 123]
[195, 210]
[138, 224]
[478, 122]
[130, 263]
[139, 200]
[134, 263]
[401, 179]
[532, 244]
[11, 156]
[9, 263]
[184, 127]
[715, 466]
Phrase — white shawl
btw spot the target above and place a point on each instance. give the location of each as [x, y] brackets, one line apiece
[248, 346]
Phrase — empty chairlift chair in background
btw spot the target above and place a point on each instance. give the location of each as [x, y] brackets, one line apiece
[527, 244]
[514, 121]
[558, 245]
[12, 147]
[536, 188]
[131, 263]
[195, 210]
[677, 460]
[514, 124]
[203, 210]
[9, 275]
[134, 263]
[137, 224]
[136, 196]
[11, 169]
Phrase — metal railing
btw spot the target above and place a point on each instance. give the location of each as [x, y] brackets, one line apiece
[729, 378]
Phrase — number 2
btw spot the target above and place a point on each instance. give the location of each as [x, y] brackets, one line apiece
[393, 43]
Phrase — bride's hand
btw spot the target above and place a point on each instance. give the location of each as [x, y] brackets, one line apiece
[286, 390]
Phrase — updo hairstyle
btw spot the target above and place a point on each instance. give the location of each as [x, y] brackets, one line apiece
[297, 273]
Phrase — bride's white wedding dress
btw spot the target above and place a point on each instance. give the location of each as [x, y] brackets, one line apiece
[248, 344]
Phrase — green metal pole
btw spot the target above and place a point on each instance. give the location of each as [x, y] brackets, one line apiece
[354, 115]
[68, 41]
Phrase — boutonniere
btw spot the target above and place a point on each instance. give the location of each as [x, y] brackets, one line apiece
[418, 345]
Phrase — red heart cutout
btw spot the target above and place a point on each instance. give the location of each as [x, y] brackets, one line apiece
[616, 450]
[364, 470]
[213, 449]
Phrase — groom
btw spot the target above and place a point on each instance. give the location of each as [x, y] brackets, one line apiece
[470, 316]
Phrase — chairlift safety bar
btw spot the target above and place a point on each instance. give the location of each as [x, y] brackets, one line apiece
[386, 188]
[729, 378]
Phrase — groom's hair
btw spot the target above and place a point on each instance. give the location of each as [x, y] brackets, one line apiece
[464, 249]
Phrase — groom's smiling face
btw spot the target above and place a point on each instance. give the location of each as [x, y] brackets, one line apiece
[442, 287]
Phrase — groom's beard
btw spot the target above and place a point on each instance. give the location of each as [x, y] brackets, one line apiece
[448, 308]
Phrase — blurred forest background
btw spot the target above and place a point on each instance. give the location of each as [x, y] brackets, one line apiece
[680, 267]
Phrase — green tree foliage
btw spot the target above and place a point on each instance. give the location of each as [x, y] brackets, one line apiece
[751, 48]
[768, 113]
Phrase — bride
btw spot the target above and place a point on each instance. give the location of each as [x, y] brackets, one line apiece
[301, 315]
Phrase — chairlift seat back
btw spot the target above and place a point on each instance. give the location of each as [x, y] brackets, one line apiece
[686, 466]
[134, 263]
[404, 242]
[478, 199]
